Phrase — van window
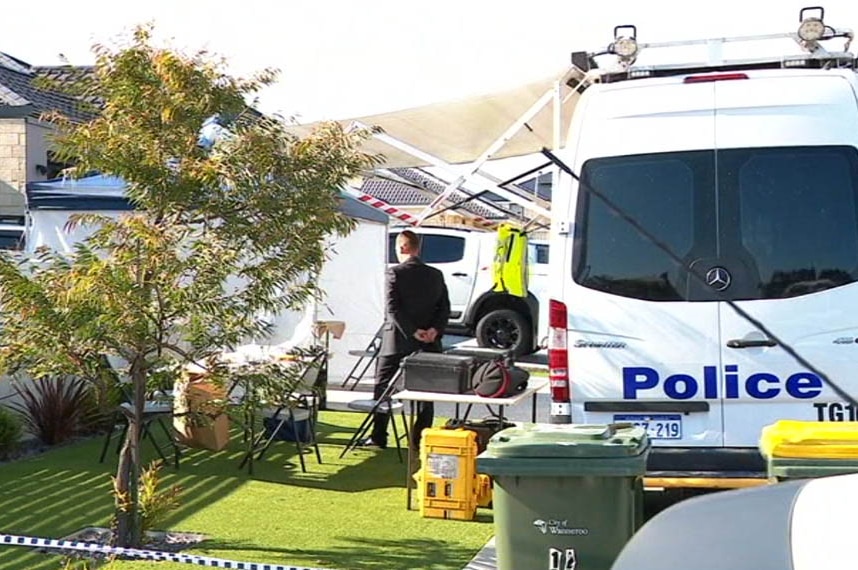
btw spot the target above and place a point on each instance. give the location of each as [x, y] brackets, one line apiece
[798, 216]
[538, 253]
[433, 248]
[441, 249]
[670, 195]
[782, 221]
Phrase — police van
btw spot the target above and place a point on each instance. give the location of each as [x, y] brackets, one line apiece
[703, 200]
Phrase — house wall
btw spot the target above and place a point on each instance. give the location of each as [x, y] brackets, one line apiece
[23, 148]
[38, 144]
[13, 165]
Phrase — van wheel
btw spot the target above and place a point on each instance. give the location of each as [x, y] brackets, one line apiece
[505, 328]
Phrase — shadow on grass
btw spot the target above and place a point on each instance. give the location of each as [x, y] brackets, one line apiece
[59, 492]
[65, 489]
[367, 553]
[359, 470]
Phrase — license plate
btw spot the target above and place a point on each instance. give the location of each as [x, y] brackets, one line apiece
[657, 426]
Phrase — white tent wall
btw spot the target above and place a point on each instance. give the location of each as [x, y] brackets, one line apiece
[352, 281]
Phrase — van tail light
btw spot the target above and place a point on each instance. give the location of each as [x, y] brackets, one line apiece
[710, 77]
[558, 363]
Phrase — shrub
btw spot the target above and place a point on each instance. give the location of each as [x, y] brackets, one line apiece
[10, 432]
[53, 408]
[156, 504]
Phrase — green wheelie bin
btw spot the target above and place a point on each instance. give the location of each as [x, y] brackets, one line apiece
[565, 496]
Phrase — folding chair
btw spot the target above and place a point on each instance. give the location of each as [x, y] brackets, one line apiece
[300, 405]
[366, 357]
[156, 411]
[384, 405]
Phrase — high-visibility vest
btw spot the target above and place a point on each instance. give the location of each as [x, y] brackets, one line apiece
[510, 264]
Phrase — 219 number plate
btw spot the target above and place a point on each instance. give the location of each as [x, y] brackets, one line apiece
[657, 426]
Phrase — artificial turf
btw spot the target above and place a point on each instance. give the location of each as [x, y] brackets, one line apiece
[342, 514]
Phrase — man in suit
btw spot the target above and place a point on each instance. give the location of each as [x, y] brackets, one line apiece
[417, 309]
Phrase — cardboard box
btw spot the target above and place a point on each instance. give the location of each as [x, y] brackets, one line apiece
[199, 414]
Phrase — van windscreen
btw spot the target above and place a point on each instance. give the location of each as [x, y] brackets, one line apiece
[781, 222]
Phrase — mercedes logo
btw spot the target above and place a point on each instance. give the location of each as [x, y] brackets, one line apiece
[718, 278]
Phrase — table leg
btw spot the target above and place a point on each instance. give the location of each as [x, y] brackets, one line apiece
[533, 409]
[409, 480]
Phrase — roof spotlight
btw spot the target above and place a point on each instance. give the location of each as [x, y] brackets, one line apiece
[625, 45]
[812, 28]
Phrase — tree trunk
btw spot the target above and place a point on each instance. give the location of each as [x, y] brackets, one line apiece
[128, 523]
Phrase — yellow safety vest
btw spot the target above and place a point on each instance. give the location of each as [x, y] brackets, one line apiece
[510, 265]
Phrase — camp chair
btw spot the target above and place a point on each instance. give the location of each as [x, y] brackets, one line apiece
[365, 359]
[300, 407]
[384, 405]
[157, 411]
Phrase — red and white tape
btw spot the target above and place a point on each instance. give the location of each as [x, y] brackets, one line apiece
[382, 205]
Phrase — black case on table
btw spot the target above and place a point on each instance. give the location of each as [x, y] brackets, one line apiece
[438, 372]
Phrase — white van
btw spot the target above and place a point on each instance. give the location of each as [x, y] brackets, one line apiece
[749, 174]
[496, 320]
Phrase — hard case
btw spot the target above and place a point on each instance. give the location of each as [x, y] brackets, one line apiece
[437, 372]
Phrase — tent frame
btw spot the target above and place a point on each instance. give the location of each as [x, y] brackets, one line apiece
[474, 173]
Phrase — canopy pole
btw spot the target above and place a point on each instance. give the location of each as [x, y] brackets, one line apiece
[493, 148]
[449, 169]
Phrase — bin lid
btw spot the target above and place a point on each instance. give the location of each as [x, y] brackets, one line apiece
[551, 441]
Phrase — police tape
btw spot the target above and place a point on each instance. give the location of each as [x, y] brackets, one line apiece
[141, 554]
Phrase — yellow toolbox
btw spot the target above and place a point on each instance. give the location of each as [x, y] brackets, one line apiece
[447, 482]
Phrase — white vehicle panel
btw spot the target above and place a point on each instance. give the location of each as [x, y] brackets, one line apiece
[778, 109]
[627, 119]
[617, 359]
[773, 109]
[772, 385]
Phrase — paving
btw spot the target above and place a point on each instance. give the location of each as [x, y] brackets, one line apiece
[486, 559]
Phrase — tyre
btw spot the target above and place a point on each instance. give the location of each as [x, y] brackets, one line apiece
[505, 328]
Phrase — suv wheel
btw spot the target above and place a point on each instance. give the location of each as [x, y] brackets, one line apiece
[505, 328]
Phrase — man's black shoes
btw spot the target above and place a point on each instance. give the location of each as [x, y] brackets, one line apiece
[372, 444]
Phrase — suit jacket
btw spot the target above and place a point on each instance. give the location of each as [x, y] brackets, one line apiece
[416, 298]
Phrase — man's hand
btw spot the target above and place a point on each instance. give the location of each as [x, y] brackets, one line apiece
[426, 336]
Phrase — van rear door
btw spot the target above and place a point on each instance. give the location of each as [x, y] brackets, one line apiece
[644, 339]
[788, 173]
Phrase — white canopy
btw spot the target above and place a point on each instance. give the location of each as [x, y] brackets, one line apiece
[469, 132]
[460, 131]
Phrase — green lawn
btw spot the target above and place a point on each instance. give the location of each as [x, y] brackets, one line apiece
[345, 514]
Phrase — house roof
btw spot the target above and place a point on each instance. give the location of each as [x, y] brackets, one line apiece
[107, 193]
[398, 193]
[21, 95]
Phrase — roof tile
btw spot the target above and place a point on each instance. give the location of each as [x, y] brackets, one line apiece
[19, 86]
[400, 194]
